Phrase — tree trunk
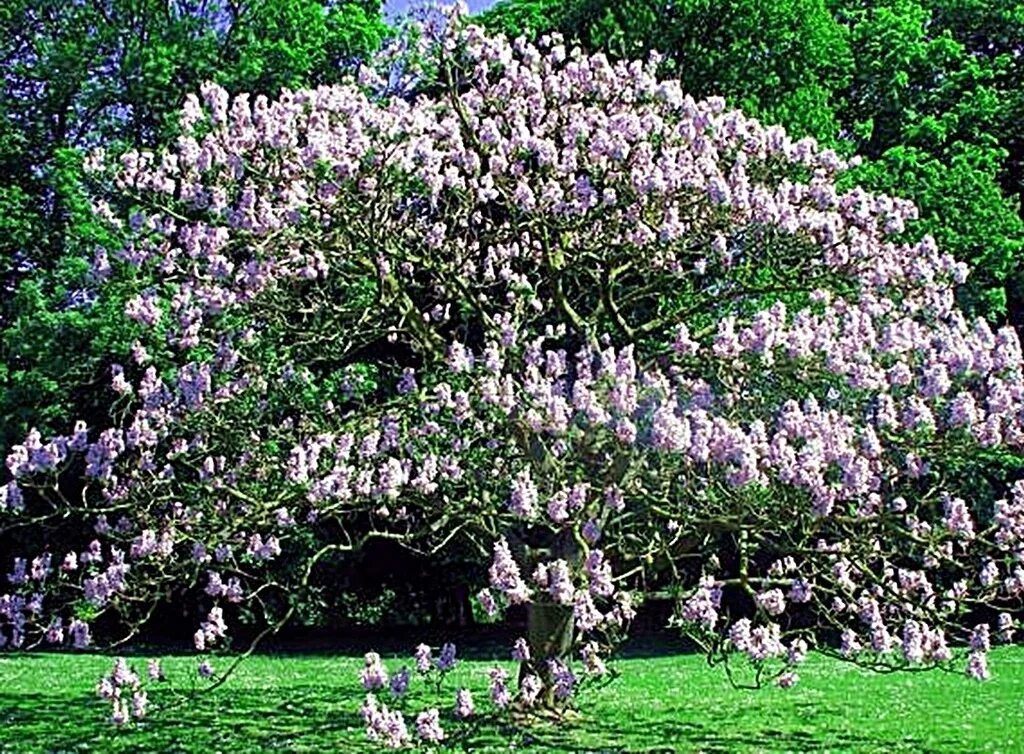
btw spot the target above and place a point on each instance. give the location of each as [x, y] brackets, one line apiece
[549, 632]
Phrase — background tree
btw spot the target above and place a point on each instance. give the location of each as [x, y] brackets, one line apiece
[925, 89]
[113, 73]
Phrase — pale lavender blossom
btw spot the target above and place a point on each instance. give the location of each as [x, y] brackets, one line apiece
[123, 675]
[385, 726]
[530, 688]
[585, 612]
[980, 641]
[797, 651]
[558, 507]
[1005, 627]
[105, 688]
[977, 666]
[408, 382]
[702, 606]
[788, 679]
[369, 708]
[524, 498]
[428, 726]
[463, 704]
[373, 675]
[521, 650]
[423, 658]
[120, 715]
[599, 573]
[958, 518]
[55, 631]
[505, 576]
[80, 634]
[139, 703]
[487, 602]
[913, 642]
[556, 578]
[500, 694]
[771, 601]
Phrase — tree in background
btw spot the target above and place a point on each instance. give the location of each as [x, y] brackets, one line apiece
[559, 313]
[113, 73]
[927, 90]
[778, 61]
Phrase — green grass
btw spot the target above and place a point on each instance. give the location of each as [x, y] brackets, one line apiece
[304, 703]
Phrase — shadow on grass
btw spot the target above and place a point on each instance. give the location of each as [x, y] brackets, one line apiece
[311, 710]
[723, 737]
[311, 718]
[307, 718]
[306, 722]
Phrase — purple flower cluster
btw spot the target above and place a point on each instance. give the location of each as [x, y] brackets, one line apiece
[921, 643]
[702, 606]
[530, 688]
[384, 726]
[428, 726]
[521, 650]
[505, 576]
[123, 689]
[562, 678]
[759, 643]
[555, 577]
[772, 601]
[446, 659]
[523, 500]
[373, 675]
[500, 694]
[423, 658]
[464, 704]
[211, 630]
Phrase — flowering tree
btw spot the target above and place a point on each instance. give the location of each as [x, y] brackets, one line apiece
[555, 310]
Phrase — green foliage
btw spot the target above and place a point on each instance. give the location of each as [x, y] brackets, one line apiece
[114, 73]
[57, 347]
[778, 61]
[932, 111]
[293, 43]
[523, 17]
[962, 207]
[929, 90]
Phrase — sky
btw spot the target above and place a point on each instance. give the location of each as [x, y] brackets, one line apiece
[394, 7]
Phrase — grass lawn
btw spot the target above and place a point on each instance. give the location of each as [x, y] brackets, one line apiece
[661, 704]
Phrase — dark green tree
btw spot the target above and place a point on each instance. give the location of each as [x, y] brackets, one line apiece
[779, 61]
[929, 90]
[85, 73]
